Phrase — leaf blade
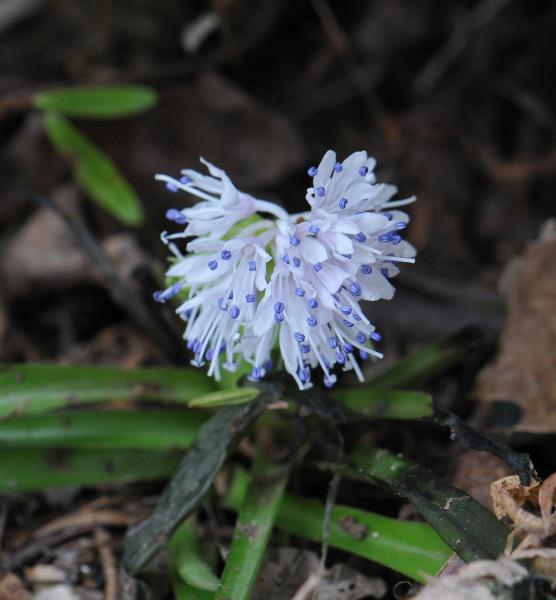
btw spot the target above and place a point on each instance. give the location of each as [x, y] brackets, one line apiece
[254, 525]
[94, 171]
[99, 102]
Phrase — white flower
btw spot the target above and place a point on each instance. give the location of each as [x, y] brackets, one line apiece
[295, 281]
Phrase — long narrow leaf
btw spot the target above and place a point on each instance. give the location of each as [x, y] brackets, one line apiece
[413, 549]
[122, 429]
[100, 102]
[464, 524]
[254, 525]
[36, 388]
[37, 469]
[217, 437]
[94, 171]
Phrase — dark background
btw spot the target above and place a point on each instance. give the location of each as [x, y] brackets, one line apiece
[454, 99]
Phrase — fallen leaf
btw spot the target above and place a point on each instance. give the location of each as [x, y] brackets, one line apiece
[12, 588]
[524, 371]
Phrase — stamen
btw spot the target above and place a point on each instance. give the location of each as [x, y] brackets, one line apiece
[299, 292]
[299, 336]
[212, 265]
[363, 170]
[312, 171]
[279, 307]
[314, 229]
[312, 303]
[320, 192]
[355, 289]
[296, 261]
[225, 255]
[343, 202]
[250, 298]
[366, 269]
[311, 321]
[173, 214]
[317, 267]
[252, 265]
[338, 167]
[376, 336]
[234, 311]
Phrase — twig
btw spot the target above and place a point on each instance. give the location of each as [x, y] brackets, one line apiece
[307, 589]
[102, 541]
[123, 294]
[330, 501]
[456, 43]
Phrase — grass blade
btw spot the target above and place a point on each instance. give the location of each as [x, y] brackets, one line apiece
[465, 525]
[99, 102]
[94, 171]
[32, 388]
[117, 429]
[192, 480]
[228, 397]
[25, 470]
[254, 525]
[413, 549]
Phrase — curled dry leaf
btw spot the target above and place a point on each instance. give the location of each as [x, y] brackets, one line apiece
[525, 370]
[480, 580]
[532, 535]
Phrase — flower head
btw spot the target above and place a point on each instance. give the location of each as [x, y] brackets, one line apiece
[296, 281]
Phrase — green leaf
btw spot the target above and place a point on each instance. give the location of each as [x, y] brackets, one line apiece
[465, 525]
[36, 388]
[187, 560]
[386, 404]
[99, 102]
[410, 548]
[217, 437]
[113, 429]
[254, 525]
[228, 397]
[24, 470]
[94, 171]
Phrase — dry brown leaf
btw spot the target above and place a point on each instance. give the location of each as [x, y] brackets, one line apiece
[12, 588]
[525, 369]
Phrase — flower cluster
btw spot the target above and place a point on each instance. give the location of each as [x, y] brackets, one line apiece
[256, 275]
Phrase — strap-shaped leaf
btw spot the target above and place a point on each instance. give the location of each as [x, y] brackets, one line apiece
[464, 524]
[94, 171]
[27, 389]
[194, 476]
[99, 102]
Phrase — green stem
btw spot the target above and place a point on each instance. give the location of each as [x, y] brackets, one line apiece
[255, 521]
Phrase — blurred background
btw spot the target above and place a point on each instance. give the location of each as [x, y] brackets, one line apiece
[455, 100]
